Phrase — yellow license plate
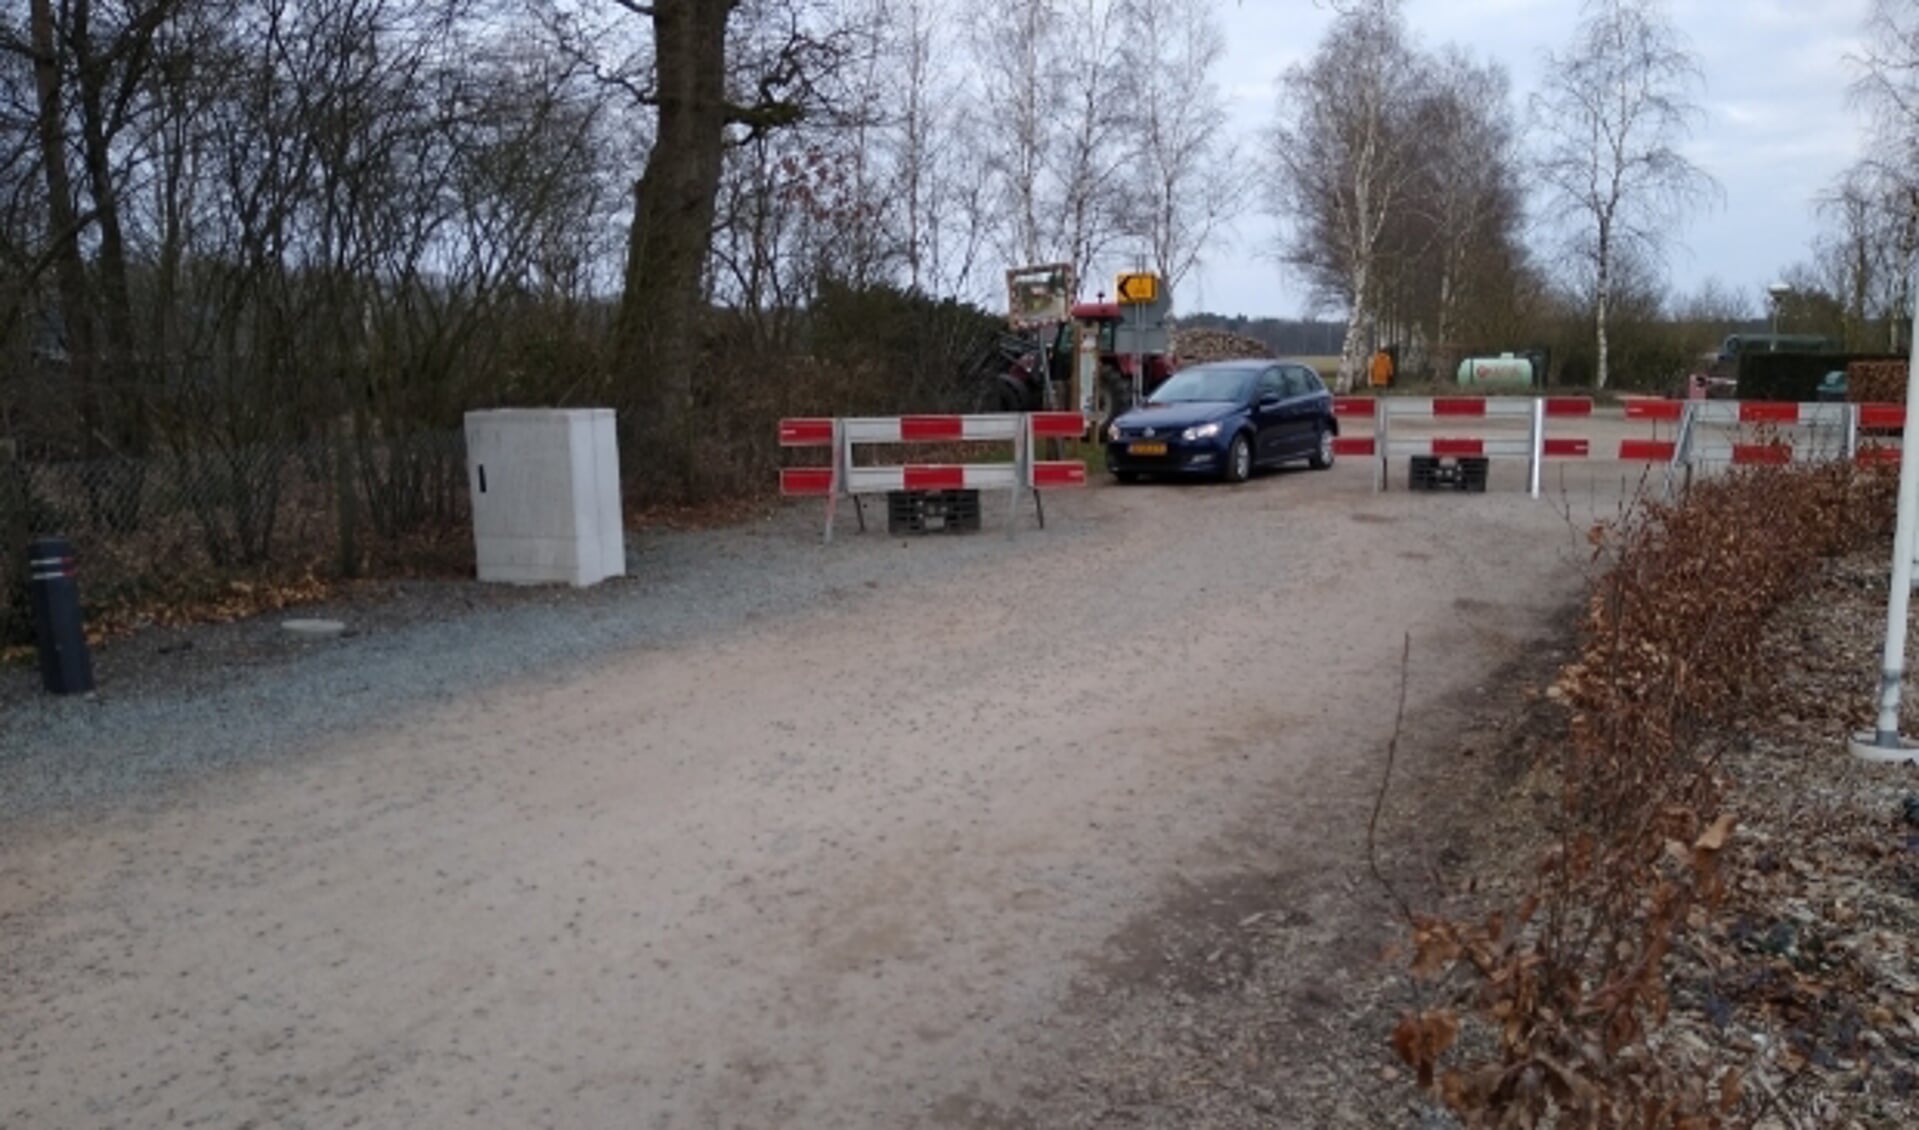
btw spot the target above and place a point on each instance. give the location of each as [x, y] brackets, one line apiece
[1146, 449]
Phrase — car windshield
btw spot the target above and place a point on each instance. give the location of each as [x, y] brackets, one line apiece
[1203, 384]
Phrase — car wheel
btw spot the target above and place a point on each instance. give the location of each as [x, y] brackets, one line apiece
[1126, 477]
[1322, 456]
[1239, 460]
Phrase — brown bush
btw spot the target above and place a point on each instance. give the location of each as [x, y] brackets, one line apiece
[1571, 980]
[1876, 382]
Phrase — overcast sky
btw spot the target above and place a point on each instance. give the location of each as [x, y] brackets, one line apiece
[1776, 129]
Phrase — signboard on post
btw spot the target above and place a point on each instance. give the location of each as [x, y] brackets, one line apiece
[1039, 295]
[1145, 303]
[1138, 288]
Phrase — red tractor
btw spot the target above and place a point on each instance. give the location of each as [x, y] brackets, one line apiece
[1030, 374]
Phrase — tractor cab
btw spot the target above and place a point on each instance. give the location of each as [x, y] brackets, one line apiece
[1102, 355]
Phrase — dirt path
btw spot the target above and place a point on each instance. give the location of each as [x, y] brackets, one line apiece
[839, 867]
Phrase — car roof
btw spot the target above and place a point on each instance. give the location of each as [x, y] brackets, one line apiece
[1236, 363]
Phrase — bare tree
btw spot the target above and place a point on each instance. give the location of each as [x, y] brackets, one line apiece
[1012, 44]
[1343, 152]
[1613, 112]
[1888, 86]
[1885, 185]
[1051, 136]
[1085, 150]
[1467, 191]
[1175, 196]
[1863, 256]
[705, 97]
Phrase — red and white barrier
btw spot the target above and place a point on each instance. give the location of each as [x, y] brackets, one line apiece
[844, 478]
[1760, 447]
[1534, 447]
[1682, 452]
[1835, 432]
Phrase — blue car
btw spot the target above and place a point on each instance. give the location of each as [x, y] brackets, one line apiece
[1225, 420]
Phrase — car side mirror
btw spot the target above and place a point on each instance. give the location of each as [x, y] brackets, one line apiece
[1268, 399]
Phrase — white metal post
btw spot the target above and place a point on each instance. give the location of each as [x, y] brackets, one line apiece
[1884, 742]
[1539, 443]
[1382, 472]
[1022, 471]
[840, 463]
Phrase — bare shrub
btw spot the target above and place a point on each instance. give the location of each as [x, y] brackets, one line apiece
[1571, 981]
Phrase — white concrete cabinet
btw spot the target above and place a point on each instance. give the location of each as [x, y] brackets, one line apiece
[545, 484]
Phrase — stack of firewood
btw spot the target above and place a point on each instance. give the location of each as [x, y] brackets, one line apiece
[1198, 346]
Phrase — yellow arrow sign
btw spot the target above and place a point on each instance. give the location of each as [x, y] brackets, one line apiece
[1139, 288]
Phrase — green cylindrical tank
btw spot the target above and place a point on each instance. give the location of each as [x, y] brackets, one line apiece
[1504, 369]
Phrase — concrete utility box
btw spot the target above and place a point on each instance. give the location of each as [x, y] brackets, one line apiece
[545, 484]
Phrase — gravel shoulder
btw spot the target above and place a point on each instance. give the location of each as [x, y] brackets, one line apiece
[886, 833]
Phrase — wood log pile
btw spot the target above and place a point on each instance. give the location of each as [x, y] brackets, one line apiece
[1198, 346]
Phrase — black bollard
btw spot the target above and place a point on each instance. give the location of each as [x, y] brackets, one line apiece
[65, 666]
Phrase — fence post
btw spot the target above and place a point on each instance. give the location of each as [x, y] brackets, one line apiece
[1382, 473]
[1022, 471]
[838, 483]
[1539, 444]
[1884, 742]
[65, 664]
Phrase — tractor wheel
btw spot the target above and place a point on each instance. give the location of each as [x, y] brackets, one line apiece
[1113, 398]
[999, 396]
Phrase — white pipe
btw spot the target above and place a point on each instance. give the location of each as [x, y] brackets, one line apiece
[1893, 665]
[838, 481]
[1381, 471]
[1539, 442]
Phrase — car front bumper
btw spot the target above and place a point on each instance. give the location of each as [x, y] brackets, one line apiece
[1181, 457]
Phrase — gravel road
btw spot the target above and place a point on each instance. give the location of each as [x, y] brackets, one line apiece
[773, 834]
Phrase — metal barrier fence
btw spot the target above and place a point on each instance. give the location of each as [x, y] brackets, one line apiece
[846, 477]
[164, 524]
[1822, 431]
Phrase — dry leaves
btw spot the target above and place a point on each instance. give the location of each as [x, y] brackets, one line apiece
[204, 604]
[1576, 989]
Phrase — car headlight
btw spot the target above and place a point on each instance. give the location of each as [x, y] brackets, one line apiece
[1200, 431]
[1112, 432]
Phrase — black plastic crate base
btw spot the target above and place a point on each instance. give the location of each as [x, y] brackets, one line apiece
[1432, 472]
[932, 511]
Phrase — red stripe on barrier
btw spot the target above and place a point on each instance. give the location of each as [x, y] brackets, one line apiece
[1882, 415]
[804, 482]
[1878, 456]
[1762, 454]
[933, 476]
[932, 429]
[1352, 445]
[1647, 450]
[1569, 406]
[1058, 474]
[1568, 447]
[1355, 406]
[1459, 447]
[1459, 406]
[806, 433]
[1058, 425]
[1768, 412]
[1654, 409]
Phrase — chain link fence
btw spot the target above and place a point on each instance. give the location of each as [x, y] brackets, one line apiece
[174, 527]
